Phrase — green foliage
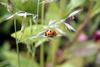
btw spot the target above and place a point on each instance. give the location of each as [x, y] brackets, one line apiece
[96, 8]
[25, 62]
[32, 33]
[26, 5]
[53, 12]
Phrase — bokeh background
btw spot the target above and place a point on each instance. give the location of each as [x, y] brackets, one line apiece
[22, 26]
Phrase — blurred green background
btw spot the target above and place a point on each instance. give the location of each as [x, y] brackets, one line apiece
[24, 22]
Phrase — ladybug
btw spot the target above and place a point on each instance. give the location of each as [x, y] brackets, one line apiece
[50, 33]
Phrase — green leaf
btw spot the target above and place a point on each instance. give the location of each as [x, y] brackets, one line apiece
[26, 34]
[96, 8]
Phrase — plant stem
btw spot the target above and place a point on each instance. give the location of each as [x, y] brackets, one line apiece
[17, 42]
[30, 27]
[42, 13]
[42, 56]
[42, 46]
[38, 9]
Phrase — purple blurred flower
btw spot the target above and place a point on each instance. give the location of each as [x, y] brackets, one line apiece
[82, 37]
[96, 35]
[49, 65]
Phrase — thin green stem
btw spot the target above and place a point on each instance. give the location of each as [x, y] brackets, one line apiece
[42, 56]
[30, 26]
[33, 53]
[17, 42]
[42, 13]
[31, 50]
[37, 16]
[23, 27]
[38, 9]
[42, 46]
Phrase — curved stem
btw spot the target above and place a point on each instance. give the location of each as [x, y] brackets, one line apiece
[17, 42]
